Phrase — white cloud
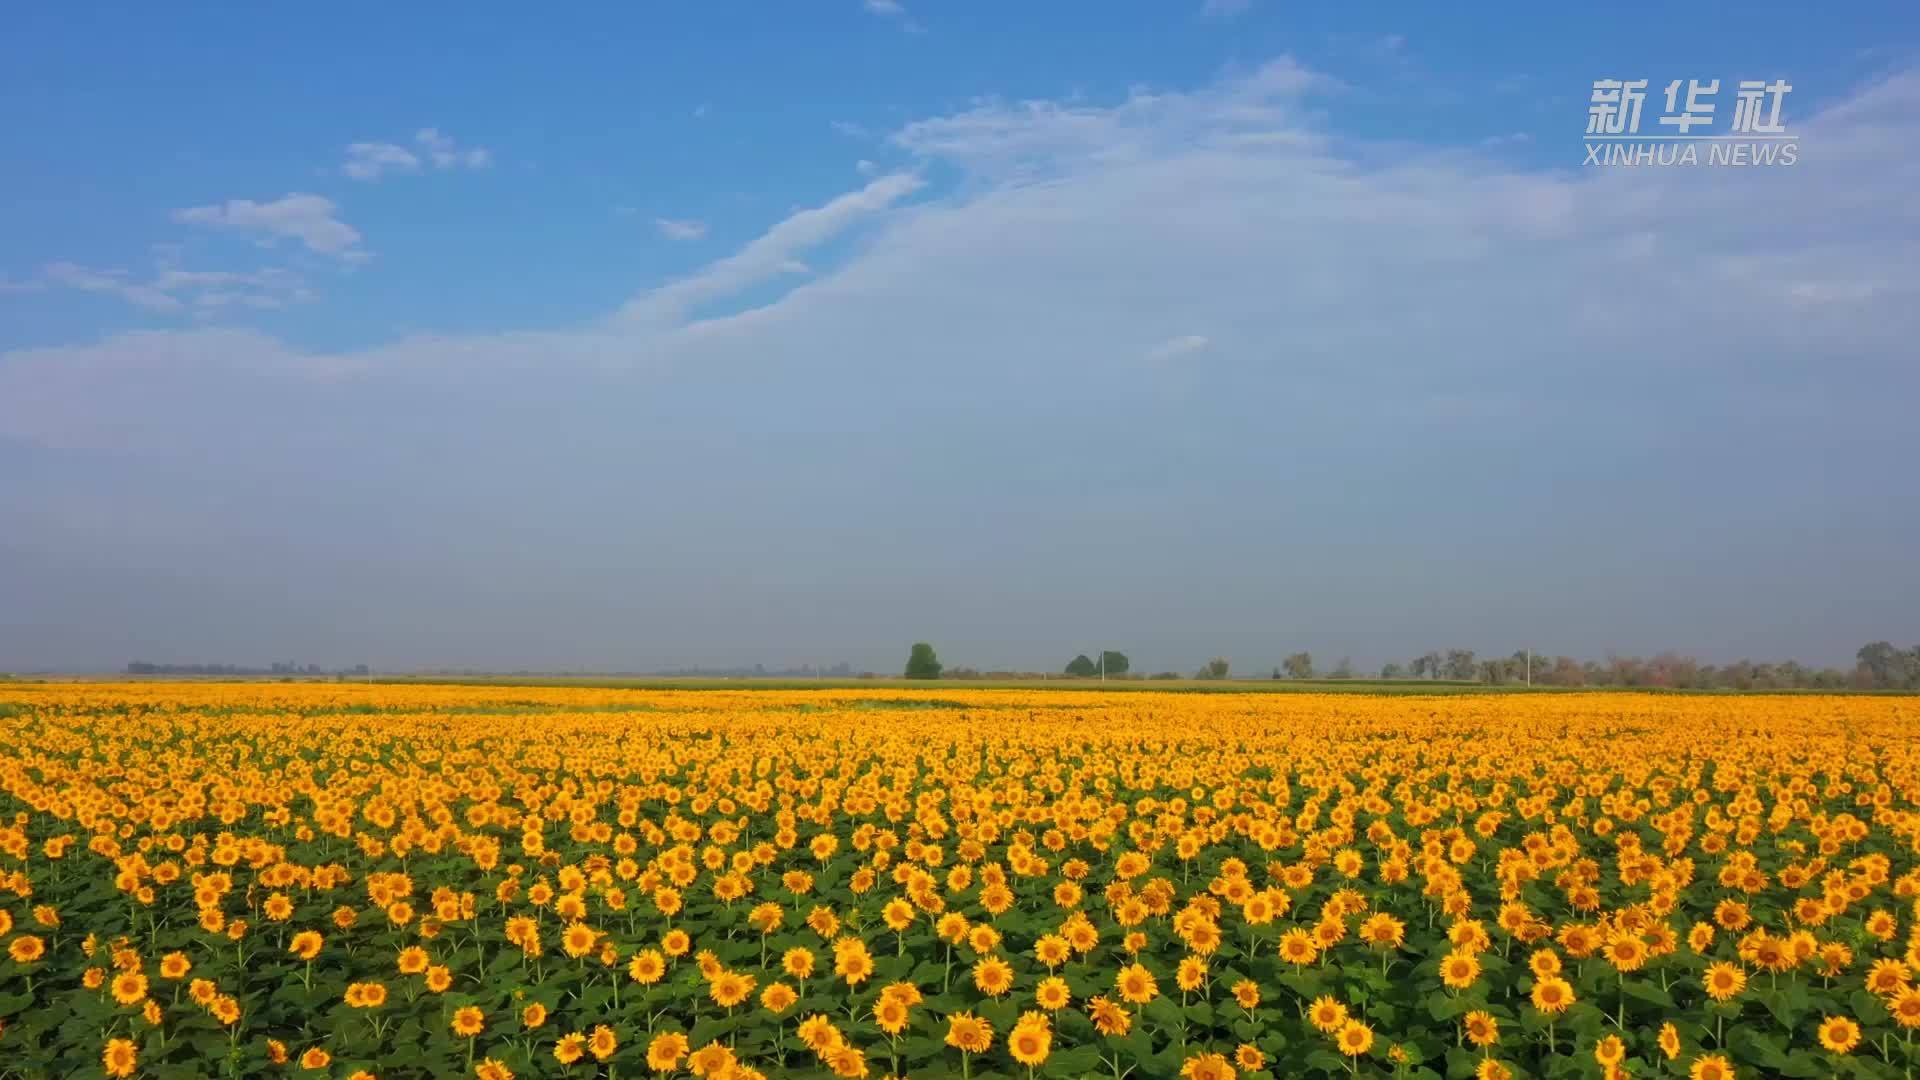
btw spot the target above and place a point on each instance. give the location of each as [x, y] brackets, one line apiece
[681, 229]
[368, 160]
[774, 253]
[1173, 348]
[372, 160]
[310, 219]
[887, 8]
[441, 149]
[1036, 139]
[174, 290]
[75, 276]
[1387, 323]
[1394, 287]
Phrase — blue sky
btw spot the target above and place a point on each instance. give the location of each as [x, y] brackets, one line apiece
[650, 335]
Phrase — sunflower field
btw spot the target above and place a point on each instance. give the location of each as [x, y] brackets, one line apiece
[332, 880]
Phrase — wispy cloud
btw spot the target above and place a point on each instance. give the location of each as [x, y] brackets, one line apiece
[777, 251]
[1409, 312]
[172, 290]
[1224, 9]
[431, 148]
[74, 276]
[310, 219]
[1173, 348]
[369, 160]
[680, 229]
[441, 149]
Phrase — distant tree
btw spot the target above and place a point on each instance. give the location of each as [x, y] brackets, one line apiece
[1427, 666]
[1081, 667]
[1299, 665]
[1885, 667]
[1392, 670]
[922, 663]
[1216, 668]
[1516, 667]
[1566, 671]
[1343, 669]
[1114, 663]
[1461, 664]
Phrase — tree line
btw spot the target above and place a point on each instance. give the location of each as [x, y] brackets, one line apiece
[1878, 666]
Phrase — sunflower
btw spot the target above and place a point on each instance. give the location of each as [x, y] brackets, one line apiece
[305, 944]
[890, 1014]
[467, 1021]
[1711, 1067]
[1206, 1067]
[1482, 1029]
[578, 939]
[665, 1051]
[119, 1057]
[968, 1033]
[129, 988]
[1109, 1018]
[1355, 1038]
[602, 1043]
[1544, 963]
[1327, 1014]
[1383, 931]
[1552, 995]
[1839, 1034]
[1459, 970]
[1136, 984]
[993, 976]
[730, 988]
[1669, 1040]
[1053, 994]
[1889, 976]
[1626, 952]
[1723, 981]
[1190, 974]
[1030, 1040]
[27, 949]
[570, 1048]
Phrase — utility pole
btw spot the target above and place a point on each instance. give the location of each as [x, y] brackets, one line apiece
[1103, 665]
[1529, 666]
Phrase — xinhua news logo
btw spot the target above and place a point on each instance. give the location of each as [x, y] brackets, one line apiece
[1755, 135]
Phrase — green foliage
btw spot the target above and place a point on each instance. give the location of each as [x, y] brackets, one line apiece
[922, 663]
